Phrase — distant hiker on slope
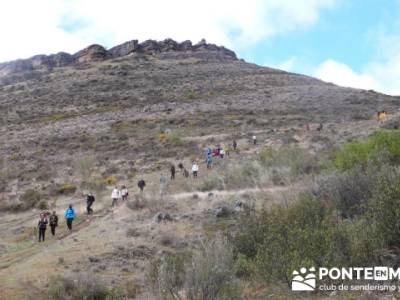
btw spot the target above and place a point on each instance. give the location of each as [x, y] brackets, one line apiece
[124, 193]
[186, 173]
[195, 169]
[42, 224]
[163, 184]
[172, 170]
[141, 184]
[234, 144]
[222, 152]
[69, 216]
[89, 202]
[254, 140]
[115, 195]
[209, 162]
[53, 222]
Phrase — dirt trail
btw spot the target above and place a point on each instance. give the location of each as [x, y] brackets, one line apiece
[225, 193]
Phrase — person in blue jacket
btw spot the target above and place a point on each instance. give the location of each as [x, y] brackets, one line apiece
[69, 216]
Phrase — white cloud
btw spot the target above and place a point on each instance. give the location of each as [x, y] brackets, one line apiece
[381, 74]
[44, 26]
[341, 74]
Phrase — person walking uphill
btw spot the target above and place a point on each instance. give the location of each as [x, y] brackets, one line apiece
[53, 222]
[124, 193]
[115, 194]
[195, 169]
[89, 202]
[141, 184]
[69, 216]
[42, 224]
[173, 171]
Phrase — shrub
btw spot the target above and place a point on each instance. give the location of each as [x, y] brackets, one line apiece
[66, 189]
[111, 180]
[210, 272]
[384, 214]
[348, 191]
[174, 139]
[300, 162]
[81, 286]
[381, 147]
[132, 232]
[29, 199]
[272, 244]
[166, 275]
[43, 205]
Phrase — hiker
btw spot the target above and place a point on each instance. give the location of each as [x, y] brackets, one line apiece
[209, 162]
[53, 222]
[124, 193]
[195, 169]
[234, 144]
[141, 184]
[42, 224]
[69, 216]
[172, 170]
[222, 152]
[89, 202]
[185, 173]
[163, 184]
[254, 140]
[115, 194]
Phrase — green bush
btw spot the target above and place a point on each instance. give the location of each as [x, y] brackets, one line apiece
[274, 243]
[174, 139]
[381, 147]
[66, 189]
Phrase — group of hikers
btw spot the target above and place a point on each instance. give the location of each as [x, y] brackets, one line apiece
[52, 221]
[121, 194]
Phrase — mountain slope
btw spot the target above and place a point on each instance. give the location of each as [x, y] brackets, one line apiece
[112, 105]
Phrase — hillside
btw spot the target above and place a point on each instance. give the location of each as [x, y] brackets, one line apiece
[73, 123]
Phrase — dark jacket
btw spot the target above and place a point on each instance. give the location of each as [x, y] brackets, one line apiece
[42, 224]
[141, 183]
[53, 220]
[90, 199]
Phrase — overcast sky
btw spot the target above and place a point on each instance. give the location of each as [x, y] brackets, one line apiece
[349, 42]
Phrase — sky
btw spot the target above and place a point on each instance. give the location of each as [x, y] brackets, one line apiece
[353, 43]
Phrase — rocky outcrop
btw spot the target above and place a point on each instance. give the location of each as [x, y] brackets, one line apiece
[95, 53]
[90, 54]
[124, 49]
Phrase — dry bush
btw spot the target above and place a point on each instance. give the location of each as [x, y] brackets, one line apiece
[210, 273]
[78, 287]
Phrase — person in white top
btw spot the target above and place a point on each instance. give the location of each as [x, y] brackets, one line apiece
[254, 140]
[222, 152]
[124, 193]
[195, 169]
[115, 194]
